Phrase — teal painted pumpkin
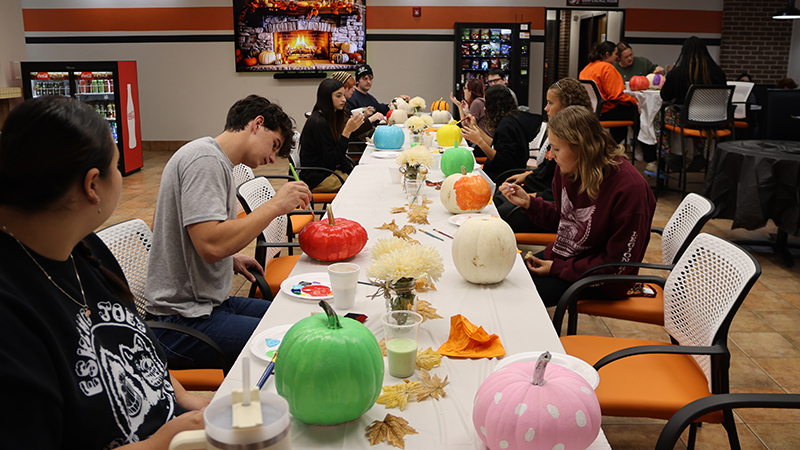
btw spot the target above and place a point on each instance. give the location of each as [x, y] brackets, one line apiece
[329, 368]
[454, 158]
[388, 137]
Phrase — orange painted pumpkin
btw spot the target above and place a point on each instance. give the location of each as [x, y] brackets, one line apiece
[639, 83]
[252, 61]
[440, 105]
[332, 239]
[462, 193]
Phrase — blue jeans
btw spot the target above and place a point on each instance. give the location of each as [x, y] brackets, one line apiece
[230, 325]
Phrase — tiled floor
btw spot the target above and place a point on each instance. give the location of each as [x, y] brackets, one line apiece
[764, 337]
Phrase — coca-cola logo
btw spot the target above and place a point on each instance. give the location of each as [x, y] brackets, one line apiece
[42, 76]
[86, 76]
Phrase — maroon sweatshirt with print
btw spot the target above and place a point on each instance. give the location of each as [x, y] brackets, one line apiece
[613, 227]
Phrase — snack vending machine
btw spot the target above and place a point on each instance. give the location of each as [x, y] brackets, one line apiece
[110, 87]
[480, 47]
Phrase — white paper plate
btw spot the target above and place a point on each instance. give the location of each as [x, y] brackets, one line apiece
[383, 154]
[570, 362]
[458, 219]
[265, 343]
[315, 278]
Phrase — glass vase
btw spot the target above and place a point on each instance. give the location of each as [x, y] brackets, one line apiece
[416, 139]
[401, 295]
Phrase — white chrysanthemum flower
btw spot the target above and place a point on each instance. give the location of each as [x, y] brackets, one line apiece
[387, 245]
[414, 156]
[410, 261]
[428, 120]
[418, 103]
[416, 124]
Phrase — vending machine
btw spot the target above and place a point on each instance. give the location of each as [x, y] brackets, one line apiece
[480, 47]
[110, 87]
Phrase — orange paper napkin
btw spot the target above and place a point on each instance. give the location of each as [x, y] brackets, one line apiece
[468, 341]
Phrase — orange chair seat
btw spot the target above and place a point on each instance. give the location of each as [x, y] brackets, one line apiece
[654, 386]
[616, 123]
[699, 133]
[299, 221]
[637, 309]
[535, 238]
[277, 270]
[740, 124]
[323, 197]
[199, 379]
[480, 160]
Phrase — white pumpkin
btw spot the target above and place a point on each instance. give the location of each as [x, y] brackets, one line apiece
[441, 116]
[398, 116]
[399, 103]
[266, 57]
[349, 47]
[484, 250]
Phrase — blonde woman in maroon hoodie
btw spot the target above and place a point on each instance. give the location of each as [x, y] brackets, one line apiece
[602, 209]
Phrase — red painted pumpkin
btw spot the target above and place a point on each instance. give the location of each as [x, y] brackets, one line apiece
[639, 83]
[332, 239]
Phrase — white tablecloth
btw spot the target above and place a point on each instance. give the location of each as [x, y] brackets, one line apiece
[650, 104]
[511, 309]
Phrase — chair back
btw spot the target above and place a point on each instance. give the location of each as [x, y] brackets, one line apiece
[740, 95]
[242, 173]
[294, 153]
[130, 243]
[685, 223]
[708, 106]
[594, 95]
[703, 293]
[255, 193]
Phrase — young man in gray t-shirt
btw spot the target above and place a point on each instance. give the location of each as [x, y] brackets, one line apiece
[197, 237]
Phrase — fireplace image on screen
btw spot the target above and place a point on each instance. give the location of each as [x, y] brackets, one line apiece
[286, 36]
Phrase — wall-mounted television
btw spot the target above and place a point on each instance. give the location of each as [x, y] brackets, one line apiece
[299, 36]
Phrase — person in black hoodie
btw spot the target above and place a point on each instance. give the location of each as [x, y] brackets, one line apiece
[694, 66]
[513, 130]
[325, 137]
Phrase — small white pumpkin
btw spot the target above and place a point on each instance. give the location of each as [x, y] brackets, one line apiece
[349, 47]
[399, 103]
[484, 250]
[441, 116]
[340, 58]
[398, 116]
[266, 57]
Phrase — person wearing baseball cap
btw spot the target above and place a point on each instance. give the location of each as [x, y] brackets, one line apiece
[361, 97]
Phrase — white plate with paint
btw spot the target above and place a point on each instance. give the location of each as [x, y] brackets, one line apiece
[570, 362]
[266, 343]
[459, 219]
[314, 286]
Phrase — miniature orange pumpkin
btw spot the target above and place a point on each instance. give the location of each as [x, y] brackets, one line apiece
[440, 105]
[252, 61]
[462, 193]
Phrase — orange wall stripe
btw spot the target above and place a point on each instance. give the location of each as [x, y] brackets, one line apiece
[673, 21]
[443, 17]
[128, 19]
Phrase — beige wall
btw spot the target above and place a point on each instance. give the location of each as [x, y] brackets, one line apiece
[12, 41]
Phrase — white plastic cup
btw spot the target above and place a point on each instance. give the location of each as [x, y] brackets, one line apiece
[402, 337]
[427, 140]
[394, 174]
[344, 279]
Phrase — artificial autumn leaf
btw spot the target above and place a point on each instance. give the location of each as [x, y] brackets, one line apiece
[388, 226]
[392, 430]
[427, 311]
[424, 284]
[397, 396]
[402, 233]
[398, 210]
[418, 214]
[428, 359]
[382, 343]
[432, 386]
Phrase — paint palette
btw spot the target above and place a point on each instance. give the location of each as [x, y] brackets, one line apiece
[266, 343]
[313, 286]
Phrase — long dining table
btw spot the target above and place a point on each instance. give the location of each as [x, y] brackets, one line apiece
[512, 309]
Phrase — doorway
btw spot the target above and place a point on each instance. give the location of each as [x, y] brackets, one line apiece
[570, 35]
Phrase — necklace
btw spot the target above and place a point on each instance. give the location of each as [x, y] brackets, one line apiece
[84, 306]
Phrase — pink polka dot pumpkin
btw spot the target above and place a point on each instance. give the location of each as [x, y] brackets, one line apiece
[512, 412]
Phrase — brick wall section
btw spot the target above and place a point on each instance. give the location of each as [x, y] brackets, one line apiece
[754, 42]
[563, 52]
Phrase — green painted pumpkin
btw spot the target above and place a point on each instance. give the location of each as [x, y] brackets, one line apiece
[329, 368]
[453, 159]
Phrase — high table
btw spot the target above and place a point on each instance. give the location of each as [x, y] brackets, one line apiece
[511, 309]
[754, 181]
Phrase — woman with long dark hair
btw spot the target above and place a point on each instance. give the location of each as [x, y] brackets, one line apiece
[80, 367]
[325, 137]
[617, 105]
[602, 212]
[513, 130]
[694, 66]
[472, 103]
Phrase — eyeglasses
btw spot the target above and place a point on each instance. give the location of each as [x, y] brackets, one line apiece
[493, 81]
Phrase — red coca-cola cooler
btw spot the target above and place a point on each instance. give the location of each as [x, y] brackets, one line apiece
[110, 87]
